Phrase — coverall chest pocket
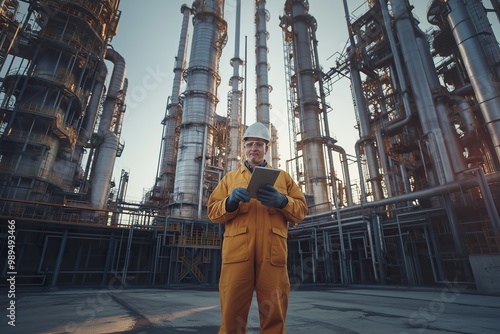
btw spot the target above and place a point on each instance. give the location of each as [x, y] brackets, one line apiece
[279, 247]
[235, 245]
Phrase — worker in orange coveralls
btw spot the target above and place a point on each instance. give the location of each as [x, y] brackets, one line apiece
[254, 251]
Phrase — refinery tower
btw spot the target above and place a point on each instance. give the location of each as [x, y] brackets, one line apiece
[414, 202]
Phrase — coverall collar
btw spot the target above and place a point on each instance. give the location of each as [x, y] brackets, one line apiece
[247, 165]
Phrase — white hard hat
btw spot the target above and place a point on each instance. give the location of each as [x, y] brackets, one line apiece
[257, 130]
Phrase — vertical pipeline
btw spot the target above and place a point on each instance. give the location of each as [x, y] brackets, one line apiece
[234, 147]
[480, 74]
[262, 66]
[166, 175]
[424, 99]
[364, 121]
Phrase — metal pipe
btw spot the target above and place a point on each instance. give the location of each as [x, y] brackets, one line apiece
[173, 113]
[94, 104]
[365, 131]
[405, 178]
[324, 111]
[115, 88]
[234, 151]
[441, 101]
[454, 225]
[103, 170]
[314, 254]
[345, 170]
[485, 34]
[405, 260]
[326, 224]
[127, 256]
[429, 253]
[465, 111]
[202, 173]
[122, 107]
[42, 254]
[389, 186]
[379, 244]
[107, 151]
[400, 74]
[155, 259]
[357, 148]
[372, 250]
[424, 99]
[262, 65]
[275, 156]
[246, 81]
[109, 257]
[60, 255]
[480, 74]
[486, 194]
[451, 187]
[436, 247]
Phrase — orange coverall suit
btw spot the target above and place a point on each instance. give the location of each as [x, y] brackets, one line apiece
[254, 253]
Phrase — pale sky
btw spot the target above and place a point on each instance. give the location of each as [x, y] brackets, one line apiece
[148, 39]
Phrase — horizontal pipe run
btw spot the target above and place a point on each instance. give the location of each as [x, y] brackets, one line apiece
[426, 193]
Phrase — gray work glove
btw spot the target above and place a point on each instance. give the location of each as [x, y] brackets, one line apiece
[237, 195]
[269, 196]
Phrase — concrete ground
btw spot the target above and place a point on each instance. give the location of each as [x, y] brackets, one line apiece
[311, 311]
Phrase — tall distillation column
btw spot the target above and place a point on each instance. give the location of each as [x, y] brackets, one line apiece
[198, 118]
[235, 133]
[299, 23]
[165, 183]
[45, 97]
[262, 67]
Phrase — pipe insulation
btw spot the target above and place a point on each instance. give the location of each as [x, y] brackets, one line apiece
[107, 151]
[115, 87]
[103, 171]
